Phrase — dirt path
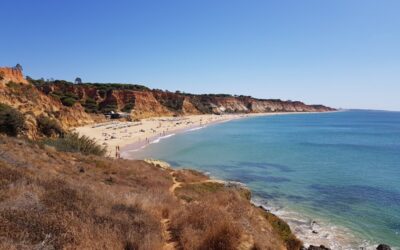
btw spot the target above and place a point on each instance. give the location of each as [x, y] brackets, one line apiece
[175, 185]
[170, 244]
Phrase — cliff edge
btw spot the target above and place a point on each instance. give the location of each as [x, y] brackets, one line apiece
[12, 74]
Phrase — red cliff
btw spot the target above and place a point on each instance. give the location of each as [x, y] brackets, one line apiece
[12, 75]
[143, 102]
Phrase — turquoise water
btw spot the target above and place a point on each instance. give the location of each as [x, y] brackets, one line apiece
[340, 169]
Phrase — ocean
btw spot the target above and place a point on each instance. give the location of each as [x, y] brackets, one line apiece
[334, 177]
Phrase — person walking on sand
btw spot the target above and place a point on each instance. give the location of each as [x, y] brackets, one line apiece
[117, 154]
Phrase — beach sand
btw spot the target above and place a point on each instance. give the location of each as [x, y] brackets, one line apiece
[138, 134]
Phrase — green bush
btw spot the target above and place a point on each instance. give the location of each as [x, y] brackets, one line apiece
[109, 107]
[68, 101]
[90, 105]
[128, 107]
[12, 122]
[55, 96]
[282, 229]
[49, 127]
[13, 85]
[71, 95]
[73, 142]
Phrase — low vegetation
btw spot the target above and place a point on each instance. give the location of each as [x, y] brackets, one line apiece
[205, 226]
[128, 107]
[49, 127]
[189, 176]
[73, 142]
[109, 107]
[90, 105]
[283, 230]
[12, 122]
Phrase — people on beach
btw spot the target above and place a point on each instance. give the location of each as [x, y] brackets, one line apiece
[117, 152]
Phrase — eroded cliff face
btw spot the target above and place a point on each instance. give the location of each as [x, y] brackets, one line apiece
[18, 93]
[149, 103]
[8, 74]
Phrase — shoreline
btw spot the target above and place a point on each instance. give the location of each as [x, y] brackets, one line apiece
[133, 136]
[129, 149]
[313, 230]
[136, 135]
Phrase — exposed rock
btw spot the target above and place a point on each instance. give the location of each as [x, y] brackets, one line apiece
[33, 103]
[11, 75]
[383, 247]
[150, 103]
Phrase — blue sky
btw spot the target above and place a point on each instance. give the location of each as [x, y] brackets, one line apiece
[343, 53]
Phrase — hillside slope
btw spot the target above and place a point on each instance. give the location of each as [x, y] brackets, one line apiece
[55, 200]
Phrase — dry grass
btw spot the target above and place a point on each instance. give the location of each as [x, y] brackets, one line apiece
[71, 142]
[201, 226]
[189, 175]
[216, 212]
[55, 200]
[61, 201]
[195, 191]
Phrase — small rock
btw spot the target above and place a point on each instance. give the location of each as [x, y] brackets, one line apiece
[383, 247]
[314, 232]
[81, 170]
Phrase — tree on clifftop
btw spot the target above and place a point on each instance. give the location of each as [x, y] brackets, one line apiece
[19, 67]
[78, 80]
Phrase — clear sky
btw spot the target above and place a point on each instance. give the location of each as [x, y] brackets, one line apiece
[343, 53]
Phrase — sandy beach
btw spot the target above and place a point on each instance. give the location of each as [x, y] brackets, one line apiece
[138, 134]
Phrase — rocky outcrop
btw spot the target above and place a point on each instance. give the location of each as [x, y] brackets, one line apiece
[383, 247]
[11, 75]
[33, 103]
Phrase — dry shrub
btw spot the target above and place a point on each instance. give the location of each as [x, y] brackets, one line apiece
[222, 236]
[48, 203]
[12, 122]
[189, 175]
[75, 143]
[196, 191]
[48, 126]
[34, 227]
[201, 226]
[282, 229]
[8, 175]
